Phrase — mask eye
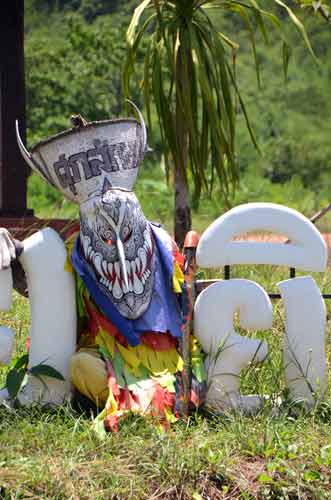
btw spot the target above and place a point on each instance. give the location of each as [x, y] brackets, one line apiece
[107, 237]
[127, 233]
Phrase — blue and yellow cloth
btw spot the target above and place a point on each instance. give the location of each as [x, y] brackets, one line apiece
[133, 365]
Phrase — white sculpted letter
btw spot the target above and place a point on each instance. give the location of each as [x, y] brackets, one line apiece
[7, 250]
[307, 250]
[6, 334]
[304, 350]
[304, 354]
[53, 314]
[229, 352]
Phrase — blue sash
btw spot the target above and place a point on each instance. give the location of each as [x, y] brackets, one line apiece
[163, 313]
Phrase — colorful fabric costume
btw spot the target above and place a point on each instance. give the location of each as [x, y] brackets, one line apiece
[134, 365]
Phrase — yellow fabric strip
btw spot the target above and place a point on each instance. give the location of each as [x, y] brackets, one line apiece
[178, 278]
[156, 362]
[69, 243]
[103, 339]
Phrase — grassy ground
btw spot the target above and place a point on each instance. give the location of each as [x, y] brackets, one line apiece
[54, 454]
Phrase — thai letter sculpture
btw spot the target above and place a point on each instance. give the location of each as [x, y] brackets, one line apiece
[106, 302]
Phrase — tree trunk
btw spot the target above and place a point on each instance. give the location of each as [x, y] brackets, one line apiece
[182, 216]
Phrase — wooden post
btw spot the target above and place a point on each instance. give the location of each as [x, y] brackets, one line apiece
[13, 170]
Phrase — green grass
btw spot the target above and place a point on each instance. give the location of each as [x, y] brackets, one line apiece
[276, 454]
[55, 455]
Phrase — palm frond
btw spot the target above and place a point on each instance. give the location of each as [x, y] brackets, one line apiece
[189, 78]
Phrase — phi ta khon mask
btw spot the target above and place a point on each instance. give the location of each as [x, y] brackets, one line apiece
[96, 165]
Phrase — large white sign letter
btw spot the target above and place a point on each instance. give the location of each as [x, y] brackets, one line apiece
[53, 314]
[229, 352]
[307, 250]
[304, 343]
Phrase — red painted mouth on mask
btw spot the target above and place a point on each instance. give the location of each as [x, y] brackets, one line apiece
[138, 270]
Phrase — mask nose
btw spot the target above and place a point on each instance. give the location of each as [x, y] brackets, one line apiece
[121, 254]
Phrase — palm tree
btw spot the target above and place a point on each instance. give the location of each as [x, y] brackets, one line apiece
[189, 75]
[321, 7]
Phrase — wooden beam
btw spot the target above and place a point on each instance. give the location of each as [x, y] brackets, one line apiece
[13, 170]
[23, 227]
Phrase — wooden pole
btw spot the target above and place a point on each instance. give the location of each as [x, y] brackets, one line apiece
[189, 251]
[13, 170]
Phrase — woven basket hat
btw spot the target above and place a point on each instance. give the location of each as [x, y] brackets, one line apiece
[80, 161]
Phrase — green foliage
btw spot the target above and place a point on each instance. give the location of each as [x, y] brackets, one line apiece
[189, 76]
[14, 381]
[18, 371]
[320, 7]
[53, 453]
[75, 67]
[45, 371]
[89, 8]
[77, 73]
[291, 120]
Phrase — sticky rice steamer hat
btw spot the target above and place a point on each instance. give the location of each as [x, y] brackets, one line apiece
[79, 162]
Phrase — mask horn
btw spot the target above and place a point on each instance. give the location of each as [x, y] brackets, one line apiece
[121, 255]
[28, 158]
[143, 126]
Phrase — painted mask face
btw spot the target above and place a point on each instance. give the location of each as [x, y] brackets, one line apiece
[118, 243]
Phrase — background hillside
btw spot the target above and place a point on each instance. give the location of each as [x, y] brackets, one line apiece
[75, 50]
